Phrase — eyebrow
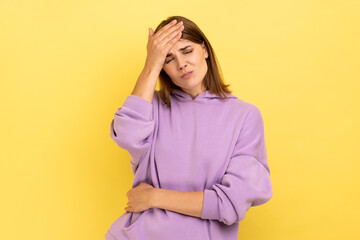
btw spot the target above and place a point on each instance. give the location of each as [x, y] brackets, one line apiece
[170, 54]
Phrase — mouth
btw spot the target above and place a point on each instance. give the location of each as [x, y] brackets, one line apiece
[187, 75]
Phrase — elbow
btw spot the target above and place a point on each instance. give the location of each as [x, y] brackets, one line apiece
[264, 196]
[115, 136]
[112, 130]
[123, 142]
[118, 137]
[233, 218]
[228, 221]
[122, 136]
[232, 214]
[261, 201]
[126, 133]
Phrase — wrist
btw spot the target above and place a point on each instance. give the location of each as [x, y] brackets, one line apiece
[151, 69]
[154, 195]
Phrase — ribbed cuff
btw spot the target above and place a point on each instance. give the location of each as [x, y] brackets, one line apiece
[210, 205]
[139, 105]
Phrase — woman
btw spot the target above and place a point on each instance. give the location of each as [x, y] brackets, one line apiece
[197, 152]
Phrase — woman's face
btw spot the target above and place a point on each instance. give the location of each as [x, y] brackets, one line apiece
[186, 56]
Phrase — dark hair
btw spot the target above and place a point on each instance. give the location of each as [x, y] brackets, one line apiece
[213, 80]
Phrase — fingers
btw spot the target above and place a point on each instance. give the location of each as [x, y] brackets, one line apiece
[166, 27]
[151, 33]
[172, 34]
[165, 35]
[171, 38]
[169, 43]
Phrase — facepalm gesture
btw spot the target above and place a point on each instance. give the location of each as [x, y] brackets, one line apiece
[160, 43]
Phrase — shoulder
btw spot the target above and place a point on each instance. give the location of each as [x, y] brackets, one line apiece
[248, 113]
[243, 106]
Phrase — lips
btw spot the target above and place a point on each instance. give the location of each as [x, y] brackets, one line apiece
[186, 74]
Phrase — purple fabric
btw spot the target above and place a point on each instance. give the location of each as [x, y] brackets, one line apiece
[207, 144]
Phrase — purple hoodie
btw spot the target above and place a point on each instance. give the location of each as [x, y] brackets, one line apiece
[206, 144]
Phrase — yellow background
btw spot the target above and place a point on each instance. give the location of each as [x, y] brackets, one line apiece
[66, 67]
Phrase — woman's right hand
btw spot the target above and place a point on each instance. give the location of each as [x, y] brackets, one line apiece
[159, 45]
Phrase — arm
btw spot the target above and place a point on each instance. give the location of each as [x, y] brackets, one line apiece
[146, 83]
[188, 203]
[133, 122]
[132, 125]
[246, 181]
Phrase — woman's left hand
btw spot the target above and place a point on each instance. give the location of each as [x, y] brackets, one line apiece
[139, 198]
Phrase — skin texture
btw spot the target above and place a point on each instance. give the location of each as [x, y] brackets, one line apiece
[184, 61]
[157, 47]
[144, 196]
[188, 203]
[140, 198]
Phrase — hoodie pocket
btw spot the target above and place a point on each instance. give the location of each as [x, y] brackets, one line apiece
[134, 219]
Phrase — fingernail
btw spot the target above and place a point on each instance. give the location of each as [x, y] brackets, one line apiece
[173, 21]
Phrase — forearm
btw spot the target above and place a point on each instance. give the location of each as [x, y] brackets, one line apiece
[188, 203]
[146, 83]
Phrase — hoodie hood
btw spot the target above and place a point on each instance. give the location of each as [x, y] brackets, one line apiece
[205, 96]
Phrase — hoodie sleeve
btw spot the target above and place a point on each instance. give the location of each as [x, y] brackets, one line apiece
[132, 126]
[246, 181]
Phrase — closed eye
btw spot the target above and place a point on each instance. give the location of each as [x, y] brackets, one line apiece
[184, 53]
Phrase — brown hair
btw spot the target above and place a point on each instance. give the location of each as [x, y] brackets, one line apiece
[213, 80]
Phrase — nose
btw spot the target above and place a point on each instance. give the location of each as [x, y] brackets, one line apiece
[181, 63]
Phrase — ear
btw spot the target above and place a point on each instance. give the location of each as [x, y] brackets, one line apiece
[206, 53]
